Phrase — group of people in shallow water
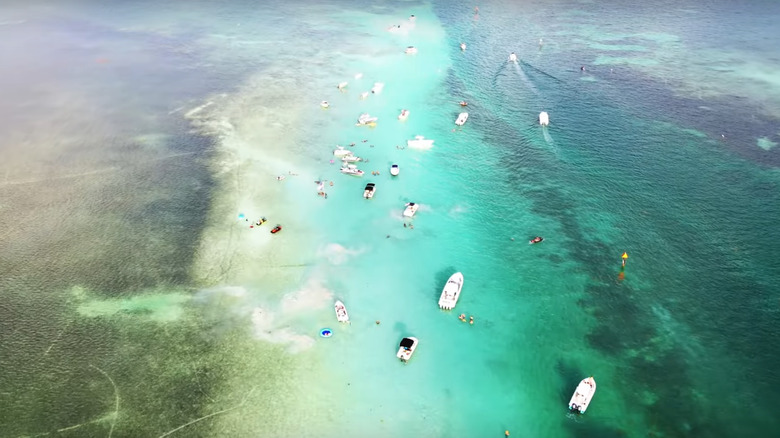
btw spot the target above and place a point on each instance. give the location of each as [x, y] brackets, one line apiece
[462, 317]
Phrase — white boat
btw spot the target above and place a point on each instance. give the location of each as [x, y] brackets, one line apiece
[377, 88]
[420, 142]
[544, 118]
[583, 395]
[341, 312]
[406, 348]
[462, 46]
[369, 191]
[341, 85]
[462, 117]
[350, 159]
[411, 209]
[364, 95]
[512, 57]
[394, 170]
[451, 292]
[324, 104]
[404, 114]
[411, 50]
[366, 119]
[341, 152]
[351, 169]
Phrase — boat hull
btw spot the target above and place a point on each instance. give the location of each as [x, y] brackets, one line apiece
[583, 395]
[341, 312]
[451, 292]
[407, 348]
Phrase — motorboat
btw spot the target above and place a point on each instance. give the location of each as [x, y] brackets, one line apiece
[351, 169]
[411, 50]
[276, 229]
[411, 209]
[404, 114]
[512, 57]
[536, 239]
[341, 312]
[406, 348]
[261, 221]
[544, 118]
[377, 88]
[351, 159]
[342, 85]
[419, 142]
[366, 119]
[462, 46]
[324, 104]
[451, 292]
[369, 191]
[462, 117]
[394, 170]
[583, 395]
[341, 152]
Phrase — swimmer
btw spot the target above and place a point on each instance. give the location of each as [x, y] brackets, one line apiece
[377, 322]
[471, 320]
[331, 183]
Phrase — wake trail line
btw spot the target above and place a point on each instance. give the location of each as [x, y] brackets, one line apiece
[210, 415]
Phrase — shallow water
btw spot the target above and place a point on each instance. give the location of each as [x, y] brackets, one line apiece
[139, 303]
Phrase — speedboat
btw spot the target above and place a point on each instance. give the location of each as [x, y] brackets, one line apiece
[536, 239]
[512, 57]
[351, 159]
[341, 152]
[411, 209]
[324, 104]
[351, 169]
[341, 312]
[462, 117]
[411, 50]
[276, 229]
[451, 292]
[404, 114]
[406, 348]
[366, 119]
[462, 46]
[377, 88]
[341, 85]
[583, 395]
[394, 170]
[544, 118]
[368, 193]
[420, 142]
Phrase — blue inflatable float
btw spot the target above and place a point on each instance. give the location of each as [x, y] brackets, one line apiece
[326, 333]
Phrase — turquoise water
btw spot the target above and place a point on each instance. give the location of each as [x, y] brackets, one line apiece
[140, 304]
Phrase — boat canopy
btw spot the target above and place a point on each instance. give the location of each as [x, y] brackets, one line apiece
[407, 343]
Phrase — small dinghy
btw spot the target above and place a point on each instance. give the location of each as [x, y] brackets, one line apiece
[276, 229]
[324, 104]
[536, 239]
[404, 114]
[461, 120]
